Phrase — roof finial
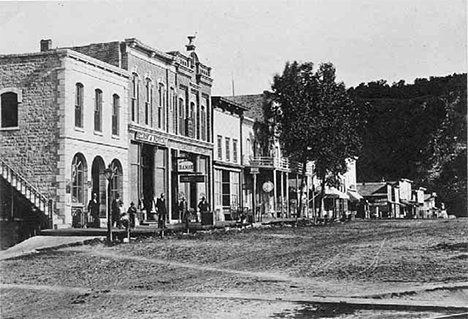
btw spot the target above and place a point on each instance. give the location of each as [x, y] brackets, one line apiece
[190, 46]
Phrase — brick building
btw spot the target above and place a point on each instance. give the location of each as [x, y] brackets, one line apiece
[169, 122]
[61, 124]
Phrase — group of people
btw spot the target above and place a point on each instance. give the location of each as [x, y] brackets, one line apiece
[127, 218]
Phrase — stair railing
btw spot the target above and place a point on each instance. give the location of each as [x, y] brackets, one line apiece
[40, 201]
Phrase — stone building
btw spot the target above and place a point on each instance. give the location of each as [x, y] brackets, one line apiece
[169, 122]
[62, 122]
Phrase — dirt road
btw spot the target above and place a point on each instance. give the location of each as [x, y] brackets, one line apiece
[352, 270]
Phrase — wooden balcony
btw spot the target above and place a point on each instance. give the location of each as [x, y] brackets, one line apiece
[271, 162]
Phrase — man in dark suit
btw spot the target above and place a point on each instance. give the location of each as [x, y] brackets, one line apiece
[162, 211]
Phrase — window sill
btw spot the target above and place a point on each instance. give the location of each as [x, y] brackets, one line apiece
[13, 128]
[115, 137]
[97, 133]
[79, 129]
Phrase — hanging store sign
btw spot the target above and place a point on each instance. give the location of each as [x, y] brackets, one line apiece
[151, 138]
[185, 166]
[192, 178]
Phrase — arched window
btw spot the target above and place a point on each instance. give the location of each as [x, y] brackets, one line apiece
[98, 110]
[79, 91]
[116, 183]
[78, 172]
[115, 115]
[9, 109]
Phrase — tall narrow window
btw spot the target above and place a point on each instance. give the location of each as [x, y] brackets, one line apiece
[174, 111]
[234, 151]
[135, 90]
[9, 113]
[115, 114]
[116, 183]
[148, 102]
[248, 151]
[220, 147]
[160, 106]
[228, 149]
[203, 123]
[226, 188]
[79, 105]
[78, 178]
[218, 190]
[98, 111]
[181, 116]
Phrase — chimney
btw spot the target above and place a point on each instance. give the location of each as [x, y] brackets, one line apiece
[190, 46]
[46, 45]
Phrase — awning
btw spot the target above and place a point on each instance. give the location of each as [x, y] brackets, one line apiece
[354, 196]
[332, 192]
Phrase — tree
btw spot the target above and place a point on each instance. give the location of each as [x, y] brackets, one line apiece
[417, 131]
[315, 120]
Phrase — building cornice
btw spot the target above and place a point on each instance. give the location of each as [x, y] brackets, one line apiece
[152, 52]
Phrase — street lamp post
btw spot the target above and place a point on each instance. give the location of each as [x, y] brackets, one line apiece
[109, 174]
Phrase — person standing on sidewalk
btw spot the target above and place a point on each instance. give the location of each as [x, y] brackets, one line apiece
[184, 214]
[162, 211]
[202, 206]
[116, 204]
[93, 210]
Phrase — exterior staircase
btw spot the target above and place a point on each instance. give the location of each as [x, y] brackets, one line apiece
[41, 204]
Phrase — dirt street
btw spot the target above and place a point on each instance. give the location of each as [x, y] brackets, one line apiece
[359, 269]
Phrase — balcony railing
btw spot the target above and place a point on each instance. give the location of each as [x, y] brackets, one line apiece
[277, 163]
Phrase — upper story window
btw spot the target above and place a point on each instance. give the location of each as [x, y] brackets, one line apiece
[228, 149]
[203, 123]
[135, 93]
[9, 102]
[173, 102]
[161, 104]
[181, 116]
[148, 102]
[234, 150]
[98, 111]
[220, 147]
[79, 97]
[115, 114]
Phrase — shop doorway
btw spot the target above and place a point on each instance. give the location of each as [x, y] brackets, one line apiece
[99, 184]
[147, 167]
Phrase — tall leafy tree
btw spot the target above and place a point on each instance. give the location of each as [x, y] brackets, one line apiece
[315, 119]
[417, 131]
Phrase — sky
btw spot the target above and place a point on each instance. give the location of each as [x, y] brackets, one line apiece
[247, 42]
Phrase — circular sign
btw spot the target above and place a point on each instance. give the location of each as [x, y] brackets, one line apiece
[267, 187]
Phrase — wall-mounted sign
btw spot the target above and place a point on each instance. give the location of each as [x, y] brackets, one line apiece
[151, 138]
[192, 178]
[185, 166]
[267, 187]
[254, 170]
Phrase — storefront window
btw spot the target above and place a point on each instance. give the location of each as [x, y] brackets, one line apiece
[160, 172]
[218, 189]
[78, 178]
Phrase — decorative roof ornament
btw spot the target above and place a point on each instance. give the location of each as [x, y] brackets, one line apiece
[190, 46]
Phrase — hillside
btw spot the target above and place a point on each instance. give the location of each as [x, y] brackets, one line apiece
[417, 131]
